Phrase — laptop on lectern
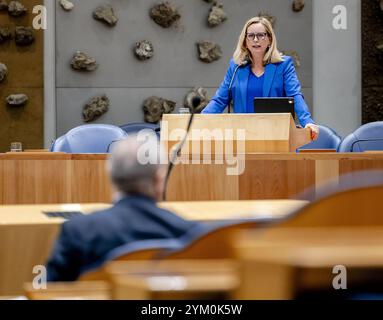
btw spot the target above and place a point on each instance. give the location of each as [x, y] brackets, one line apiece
[274, 105]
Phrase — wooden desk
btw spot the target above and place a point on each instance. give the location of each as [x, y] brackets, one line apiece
[43, 178]
[39, 178]
[89, 290]
[26, 240]
[227, 210]
[27, 235]
[173, 280]
[282, 263]
[267, 176]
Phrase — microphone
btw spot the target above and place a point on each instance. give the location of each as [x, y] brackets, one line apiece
[243, 64]
[196, 101]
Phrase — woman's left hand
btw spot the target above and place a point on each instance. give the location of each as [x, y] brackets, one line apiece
[314, 130]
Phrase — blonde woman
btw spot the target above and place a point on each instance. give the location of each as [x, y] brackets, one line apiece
[261, 71]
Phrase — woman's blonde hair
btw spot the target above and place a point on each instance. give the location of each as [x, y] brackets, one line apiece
[272, 55]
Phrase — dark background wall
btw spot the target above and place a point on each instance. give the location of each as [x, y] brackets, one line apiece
[372, 36]
[175, 69]
[25, 67]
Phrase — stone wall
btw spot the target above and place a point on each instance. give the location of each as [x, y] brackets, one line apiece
[372, 61]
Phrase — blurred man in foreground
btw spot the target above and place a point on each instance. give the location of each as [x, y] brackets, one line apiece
[84, 242]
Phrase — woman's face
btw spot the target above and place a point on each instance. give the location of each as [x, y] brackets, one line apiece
[257, 40]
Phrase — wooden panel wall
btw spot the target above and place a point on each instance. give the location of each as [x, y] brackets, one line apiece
[38, 178]
[26, 75]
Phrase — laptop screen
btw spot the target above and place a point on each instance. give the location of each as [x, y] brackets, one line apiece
[274, 105]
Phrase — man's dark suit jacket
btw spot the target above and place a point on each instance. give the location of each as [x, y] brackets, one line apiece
[85, 241]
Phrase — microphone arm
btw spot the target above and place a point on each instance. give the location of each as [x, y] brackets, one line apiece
[243, 64]
[177, 150]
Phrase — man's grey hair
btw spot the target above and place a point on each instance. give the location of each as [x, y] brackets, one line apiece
[135, 161]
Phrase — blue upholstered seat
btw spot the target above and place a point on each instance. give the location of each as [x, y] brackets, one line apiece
[138, 126]
[327, 139]
[90, 138]
[365, 138]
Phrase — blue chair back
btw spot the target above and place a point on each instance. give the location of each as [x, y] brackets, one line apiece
[327, 139]
[365, 138]
[138, 126]
[90, 138]
[138, 246]
[167, 247]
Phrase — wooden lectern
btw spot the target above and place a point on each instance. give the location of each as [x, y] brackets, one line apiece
[257, 133]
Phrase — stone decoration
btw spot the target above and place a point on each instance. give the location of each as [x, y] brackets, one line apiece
[5, 34]
[106, 15]
[144, 50]
[82, 62]
[372, 58]
[294, 55]
[17, 100]
[3, 5]
[298, 5]
[3, 72]
[164, 14]
[66, 5]
[16, 9]
[95, 108]
[209, 51]
[155, 107]
[217, 15]
[196, 92]
[24, 36]
[269, 17]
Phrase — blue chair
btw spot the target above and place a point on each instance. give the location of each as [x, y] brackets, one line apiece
[365, 138]
[137, 250]
[328, 139]
[157, 249]
[138, 126]
[89, 138]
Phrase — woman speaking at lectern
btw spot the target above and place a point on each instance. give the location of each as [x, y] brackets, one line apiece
[259, 70]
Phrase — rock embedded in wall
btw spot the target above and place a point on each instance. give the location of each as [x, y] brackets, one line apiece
[3, 5]
[82, 62]
[298, 5]
[271, 18]
[5, 34]
[16, 9]
[66, 5]
[372, 61]
[3, 72]
[217, 15]
[294, 55]
[201, 93]
[144, 50]
[165, 14]
[95, 108]
[209, 51]
[155, 107]
[106, 15]
[24, 36]
[17, 100]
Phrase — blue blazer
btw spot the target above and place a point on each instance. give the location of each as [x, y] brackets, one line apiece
[280, 81]
[84, 242]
